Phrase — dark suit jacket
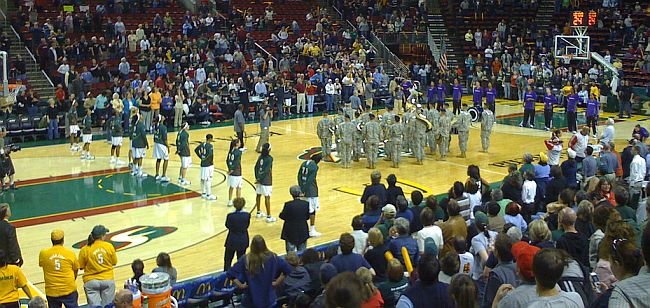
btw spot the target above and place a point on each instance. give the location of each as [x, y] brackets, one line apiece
[237, 223]
[295, 215]
[9, 242]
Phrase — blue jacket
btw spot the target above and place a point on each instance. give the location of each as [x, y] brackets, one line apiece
[237, 224]
[259, 293]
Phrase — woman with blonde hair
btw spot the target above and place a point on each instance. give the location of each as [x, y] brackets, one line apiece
[540, 234]
[370, 295]
[375, 253]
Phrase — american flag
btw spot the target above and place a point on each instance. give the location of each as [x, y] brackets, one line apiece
[442, 61]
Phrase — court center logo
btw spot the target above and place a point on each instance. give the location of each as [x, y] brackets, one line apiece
[132, 237]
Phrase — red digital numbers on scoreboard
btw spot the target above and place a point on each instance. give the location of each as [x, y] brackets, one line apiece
[592, 18]
[578, 18]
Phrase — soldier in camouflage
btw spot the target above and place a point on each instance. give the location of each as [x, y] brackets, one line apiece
[372, 136]
[419, 135]
[407, 120]
[396, 131]
[444, 131]
[462, 121]
[338, 120]
[432, 115]
[487, 122]
[323, 129]
[357, 143]
[346, 130]
[387, 120]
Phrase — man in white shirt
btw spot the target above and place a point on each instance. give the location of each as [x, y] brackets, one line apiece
[430, 230]
[145, 44]
[637, 172]
[579, 143]
[608, 134]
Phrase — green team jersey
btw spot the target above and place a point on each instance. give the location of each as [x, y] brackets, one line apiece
[183, 143]
[118, 131]
[234, 162]
[72, 116]
[264, 170]
[160, 134]
[307, 178]
[139, 136]
[87, 125]
[205, 151]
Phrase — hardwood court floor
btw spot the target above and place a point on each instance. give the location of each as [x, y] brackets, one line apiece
[57, 190]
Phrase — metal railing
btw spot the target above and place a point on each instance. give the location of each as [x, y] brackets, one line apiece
[399, 68]
[268, 54]
[396, 38]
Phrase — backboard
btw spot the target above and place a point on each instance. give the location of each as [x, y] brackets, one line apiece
[572, 47]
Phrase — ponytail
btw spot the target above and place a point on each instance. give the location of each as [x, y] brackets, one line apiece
[485, 230]
[91, 239]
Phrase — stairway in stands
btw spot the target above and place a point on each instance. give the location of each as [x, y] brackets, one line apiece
[545, 12]
[438, 31]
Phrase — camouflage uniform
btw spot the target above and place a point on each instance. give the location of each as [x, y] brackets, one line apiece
[338, 120]
[407, 120]
[387, 119]
[444, 131]
[462, 122]
[357, 140]
[325, 135]
[396, 131]
[419, 137]
[487, 122]
[346, 130]
[372, 135]
[432, 135]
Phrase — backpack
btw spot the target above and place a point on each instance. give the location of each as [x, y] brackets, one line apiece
[580, 285]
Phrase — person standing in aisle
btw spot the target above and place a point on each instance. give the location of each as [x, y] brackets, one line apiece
[183, 150]
[139, 145]
[239, 125]
[396, 132]
[160, 148]
[347, 131]
[487, 123]
[462, 122]
[324, 132]
[549, 102]
[60, 269]
[530, 97]
[309, 187]
[233, 161]
[266, 114]
[572, 111]
[205, 152]
[264, 182]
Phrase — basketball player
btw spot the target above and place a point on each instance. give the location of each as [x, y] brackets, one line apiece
[60, 268]
[264, 182]
[395, 136]
[205, 152]
[73, 127]
[139, 146]
[487, 122]
[324, 132]
[160, 147]
[183, 150]
[234, 170]
[347, 130]
[444, 131]
[372, 136]
[116, 140]
[307, 182]
[462, 122]
[87, 135]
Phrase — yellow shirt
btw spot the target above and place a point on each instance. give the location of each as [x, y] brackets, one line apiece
[156, 99]
[567, 90]
[60, 268]
[594, 90]
[97, 261]
[11, 278]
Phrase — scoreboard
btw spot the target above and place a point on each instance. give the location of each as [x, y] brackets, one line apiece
[584, 18]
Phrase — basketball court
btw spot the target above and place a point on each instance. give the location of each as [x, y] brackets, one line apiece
[58, 190]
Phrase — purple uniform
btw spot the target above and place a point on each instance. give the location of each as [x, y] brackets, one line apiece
[572, 103]
[457, 93]
[441, 90]
[431, 94]
[490, 95]
[549, 101]
[529, 100]
[477, 96]
[592, 108]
